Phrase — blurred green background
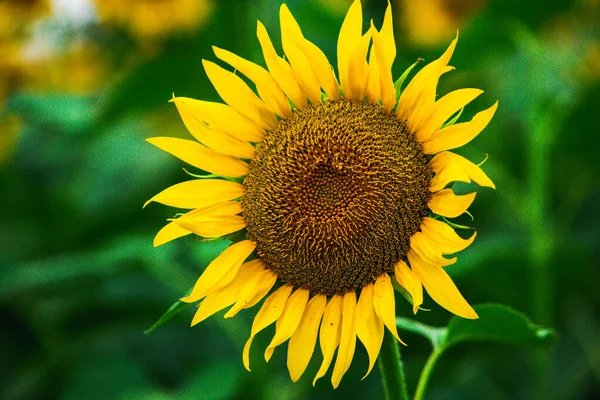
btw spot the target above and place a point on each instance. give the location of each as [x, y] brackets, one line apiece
[83, 83]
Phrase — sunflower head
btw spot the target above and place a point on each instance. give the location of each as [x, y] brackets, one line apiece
[336, 186]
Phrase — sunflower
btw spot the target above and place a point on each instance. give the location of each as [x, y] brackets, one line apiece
[329, 191]
[154, 18]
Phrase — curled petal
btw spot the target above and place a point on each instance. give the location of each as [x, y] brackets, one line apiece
[447, 204]
[444, 236]
[428, 250]
[443, 109]
[409, 281]
[440, 287]
[450, 167]
[459, 134]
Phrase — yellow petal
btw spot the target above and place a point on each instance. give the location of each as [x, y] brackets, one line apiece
[302, 343]
[217, 141]
[444, 236]
[234, 91]
[347, 339]
[263, 287]
[459, 134]
[322, 69]
[358, 69]
[291, 37]
[409, 281]
[221, 271]
[268, 313]
[288, 321]
[201, 157]
[450, 167]
[329, 335]
[250, 287]
[198, 193]
[223, 118]
[369, 327]
[443, 109]
[280, 69]
[373, 87]
[214, 227]
[388, 42]
[447, 204]
[267, 87]
[218, 220]
[222, 209]
[226, 296]
[350, 35]
[440, 287]
[423, 85]
[249, 291]
[169, 232]
[428, 250]
[385, 304]
[386, 83]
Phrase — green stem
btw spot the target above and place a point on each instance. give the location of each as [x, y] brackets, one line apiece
[542, 130]
[426, 373]
[392, 369]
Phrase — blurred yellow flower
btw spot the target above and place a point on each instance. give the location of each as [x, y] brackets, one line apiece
[432, 22]
[15, 17]
[336, 191]
[16, 14]
[80, 69]
[154, 18]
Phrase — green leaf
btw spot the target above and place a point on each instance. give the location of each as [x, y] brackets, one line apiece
[170, 313]
[500, 324]
[496, 323]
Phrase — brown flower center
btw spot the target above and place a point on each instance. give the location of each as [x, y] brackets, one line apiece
[334, 194]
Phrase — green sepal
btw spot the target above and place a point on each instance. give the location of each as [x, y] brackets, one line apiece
[453, 120]
[400, 81]
[406, 294]
[232, 237]
[175, 309]
[457, 226]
